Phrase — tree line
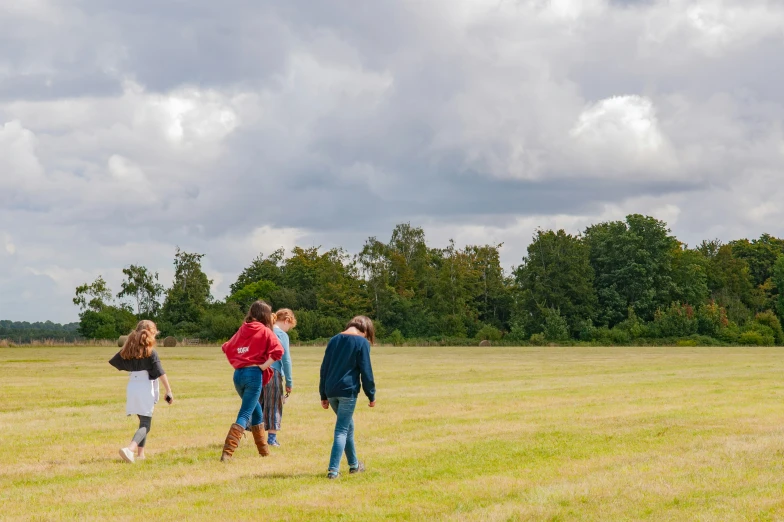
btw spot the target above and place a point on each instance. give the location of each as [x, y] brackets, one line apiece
[617, 282]
[25, 332]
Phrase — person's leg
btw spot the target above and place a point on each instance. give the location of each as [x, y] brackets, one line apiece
[351, 452]
[248, 386]
[244, 383]
[344, 411]
[145, 425]
[273, 407]
[252, 397]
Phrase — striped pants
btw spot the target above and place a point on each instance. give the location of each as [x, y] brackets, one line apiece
[272, 402]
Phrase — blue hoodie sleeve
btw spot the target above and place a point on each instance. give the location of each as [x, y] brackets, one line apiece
[366, 372]
[323, 372]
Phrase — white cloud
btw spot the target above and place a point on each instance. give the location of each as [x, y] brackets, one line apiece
[620, 136]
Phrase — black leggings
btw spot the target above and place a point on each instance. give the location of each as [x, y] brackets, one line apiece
[140, 437]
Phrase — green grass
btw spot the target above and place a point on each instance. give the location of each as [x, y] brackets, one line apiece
[458, 434]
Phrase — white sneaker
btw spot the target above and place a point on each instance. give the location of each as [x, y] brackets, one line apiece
[127, 455]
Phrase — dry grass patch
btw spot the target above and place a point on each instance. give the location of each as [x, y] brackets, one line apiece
[458, 434]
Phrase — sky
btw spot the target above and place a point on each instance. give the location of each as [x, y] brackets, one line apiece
[238, 127]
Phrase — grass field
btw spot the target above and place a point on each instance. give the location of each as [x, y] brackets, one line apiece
[457, 434]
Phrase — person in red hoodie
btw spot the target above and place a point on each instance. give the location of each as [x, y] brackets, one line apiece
[251, 351]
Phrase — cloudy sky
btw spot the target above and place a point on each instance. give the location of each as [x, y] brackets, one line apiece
[230, 128]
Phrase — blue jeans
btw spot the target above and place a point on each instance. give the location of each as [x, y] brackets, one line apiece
[344, 432]
[247, 382]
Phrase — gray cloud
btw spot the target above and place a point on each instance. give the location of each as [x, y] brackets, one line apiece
[243, 126]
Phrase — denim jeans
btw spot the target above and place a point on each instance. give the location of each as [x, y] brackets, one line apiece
[344, 432]
[247, 382]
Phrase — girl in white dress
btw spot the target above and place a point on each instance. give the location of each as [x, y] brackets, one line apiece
[138, 357]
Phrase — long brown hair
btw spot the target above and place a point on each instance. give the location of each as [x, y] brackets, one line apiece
[140, 341]
[261, 312]
[364, 324]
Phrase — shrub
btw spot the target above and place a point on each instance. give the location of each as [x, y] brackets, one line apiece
[770, 320]
[730, 334]
[633, 326]
[586, 331]
[517, 333]
[686, 342]
[620, 336]
[555, 326]
[396, 338]
[755, 338]
[677, 321]
[488, 333]
[711, 319]
[538, 339]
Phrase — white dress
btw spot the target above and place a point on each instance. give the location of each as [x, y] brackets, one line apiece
[142, 394]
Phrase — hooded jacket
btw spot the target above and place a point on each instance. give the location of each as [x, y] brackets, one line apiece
[252, 345]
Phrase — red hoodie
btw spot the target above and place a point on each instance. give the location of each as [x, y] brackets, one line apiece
[252, 345]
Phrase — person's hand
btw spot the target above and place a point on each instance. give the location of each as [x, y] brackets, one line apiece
[170, 397]
[372, 404]
[325, 405]
[264, 367]
[288, 389]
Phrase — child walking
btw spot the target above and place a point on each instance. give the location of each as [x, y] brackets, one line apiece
[272, 397]
[138, 357]
[346, 360]
[251, 351]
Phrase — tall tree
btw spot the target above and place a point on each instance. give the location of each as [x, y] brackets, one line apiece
[632, 262]
[262, 268]
[142, 285]
[94, 296]
[99, 318]
[555, 275]
[189, 295]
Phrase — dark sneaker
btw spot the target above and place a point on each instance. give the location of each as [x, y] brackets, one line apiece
[333, 475]
[359, 469]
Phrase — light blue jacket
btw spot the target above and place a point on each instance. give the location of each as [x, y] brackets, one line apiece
[284, 364]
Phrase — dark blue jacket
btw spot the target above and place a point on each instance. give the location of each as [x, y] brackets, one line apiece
[346, 359]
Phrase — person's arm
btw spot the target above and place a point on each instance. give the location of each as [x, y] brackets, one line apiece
[366, 374]
[274, 350]
[323, 377]
[118, 362]
[169, 395]
[286, 363]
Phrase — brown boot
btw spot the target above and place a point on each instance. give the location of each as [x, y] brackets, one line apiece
[232, 441]
[260, 438]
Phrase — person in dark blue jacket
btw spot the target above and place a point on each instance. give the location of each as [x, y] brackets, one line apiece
[346, 361]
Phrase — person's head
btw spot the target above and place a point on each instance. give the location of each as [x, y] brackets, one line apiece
[285, 320]
[365, 326]
[262, 313]
[140, 341]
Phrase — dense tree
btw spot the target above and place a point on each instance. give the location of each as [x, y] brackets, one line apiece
[618, 282]
[632, 262]
[555, 275]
